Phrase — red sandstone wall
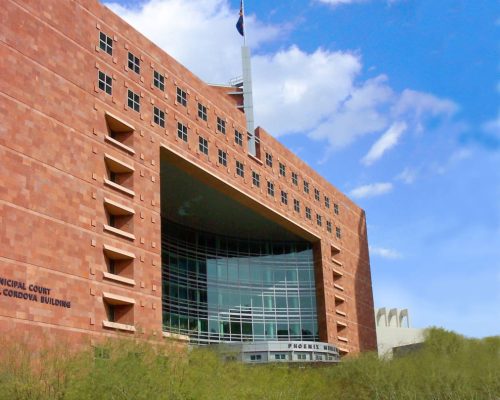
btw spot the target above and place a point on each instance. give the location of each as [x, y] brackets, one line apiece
[52, 146]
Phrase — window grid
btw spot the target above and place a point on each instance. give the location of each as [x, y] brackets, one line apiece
[270, 188]
[284, 197]
[295, 178]
[338, 232]
[296, 205]
[221, 125]
[327, 202]
[181, 97]
[329, 226]
[336, 208]
[202, 112]
[269, 160]
[240, 169]
[105, 43]
[159, 117]
[222, 158]
[238, 138]
[280, 284]
[306, 187]
[316, 194]
[159, 80]
[105, 83]
[308, 213]
[255, 179]
[203, 145]
[319, 220]
[134, 63]
[282, 169]
[182, 131]
[133, 101]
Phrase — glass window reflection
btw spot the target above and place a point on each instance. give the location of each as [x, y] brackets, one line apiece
[218, 289]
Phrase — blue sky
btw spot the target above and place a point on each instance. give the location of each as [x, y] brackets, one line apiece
[399, 108]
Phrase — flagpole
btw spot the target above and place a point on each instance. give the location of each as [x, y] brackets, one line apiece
[244, 27]
[247, 81]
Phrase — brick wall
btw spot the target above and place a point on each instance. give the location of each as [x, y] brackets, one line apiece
[54, 140]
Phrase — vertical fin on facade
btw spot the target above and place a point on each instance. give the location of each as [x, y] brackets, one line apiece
[248, 98]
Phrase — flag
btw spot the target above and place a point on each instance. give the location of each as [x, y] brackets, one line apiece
[239, 24]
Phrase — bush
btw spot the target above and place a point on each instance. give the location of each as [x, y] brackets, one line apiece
[448, 366]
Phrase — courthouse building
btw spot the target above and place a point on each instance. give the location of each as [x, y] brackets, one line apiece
[134, 201]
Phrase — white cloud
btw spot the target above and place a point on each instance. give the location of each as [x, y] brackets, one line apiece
[492, 126]
[294, 90]
[455, 158]
[361, 111]
[338, 2]
[319, 93]
[408, 176]
[385, 253]
[386, 142]
[419, 104]
[371, 190]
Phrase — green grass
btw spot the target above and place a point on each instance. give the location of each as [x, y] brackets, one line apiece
[448, 366]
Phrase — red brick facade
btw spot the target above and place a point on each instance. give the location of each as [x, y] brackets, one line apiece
[62, 174]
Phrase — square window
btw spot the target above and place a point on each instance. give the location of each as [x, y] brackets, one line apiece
[338, 233]
[269, 160]
[319, 220]
[182, 131]
[329, 226]
[277, 356]
[327, 202]
[284, 197]
[221, 125]
[296, 205]
[181, 97]
[159, 80]
[308, 213]
[203, 145]
[282, 169]
[306, 187]
[133, 101]
[105, 43]
[240, 169]
[159, 117]
[255, 179]
[270, 188]
[222, 158]
[316, 194]
[295, 178]
[238, 138]
[202, 112]
[134, 63]
[105, 83]
[336, 208]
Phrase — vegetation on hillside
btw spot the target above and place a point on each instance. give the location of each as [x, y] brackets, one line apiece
[448, 366]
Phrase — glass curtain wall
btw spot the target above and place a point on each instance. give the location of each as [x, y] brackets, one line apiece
[218, 288]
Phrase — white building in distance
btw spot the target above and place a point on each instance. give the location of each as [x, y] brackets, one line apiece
[394, 334]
